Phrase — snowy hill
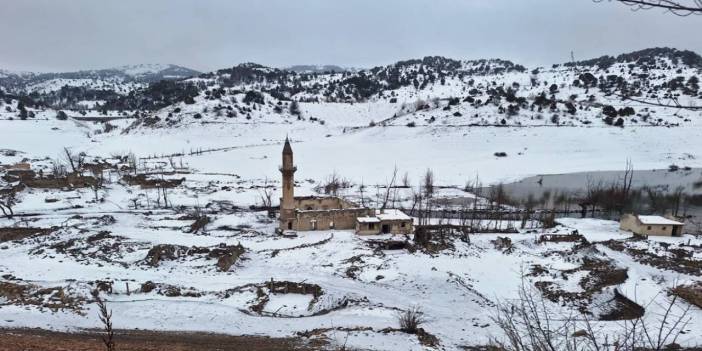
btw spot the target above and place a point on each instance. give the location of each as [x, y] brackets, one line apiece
[120, 80]
[438, 91]
[606, 91]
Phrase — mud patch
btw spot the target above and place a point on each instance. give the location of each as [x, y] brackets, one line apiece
[11, 234]
[53, 298]
[593, 294]
[677, 258]
[143, 181]
[169, 290]
[226, 255]
[691, 293]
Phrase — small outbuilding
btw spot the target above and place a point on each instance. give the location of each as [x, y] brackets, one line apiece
[385, 221]
[651, 225]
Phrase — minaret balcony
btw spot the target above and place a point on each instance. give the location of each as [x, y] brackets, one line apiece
[284, 170]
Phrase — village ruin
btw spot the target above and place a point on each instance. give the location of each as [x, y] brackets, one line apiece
[310, 213]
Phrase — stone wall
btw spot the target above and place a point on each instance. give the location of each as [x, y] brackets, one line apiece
[322, 203]
[328, 219]
[394, 226]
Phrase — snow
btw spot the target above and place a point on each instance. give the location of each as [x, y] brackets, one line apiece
[391, 215]
[658, 220]
[227, 162]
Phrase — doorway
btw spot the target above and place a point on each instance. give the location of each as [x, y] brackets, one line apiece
[386, 229]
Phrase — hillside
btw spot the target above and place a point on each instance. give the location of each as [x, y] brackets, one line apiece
[606, 91]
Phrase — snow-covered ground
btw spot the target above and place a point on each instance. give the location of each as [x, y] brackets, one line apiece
[226, 162]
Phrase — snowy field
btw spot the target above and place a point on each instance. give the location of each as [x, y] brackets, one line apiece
[352, 290]
[456, 154]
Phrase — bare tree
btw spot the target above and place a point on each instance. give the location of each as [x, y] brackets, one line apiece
[428, 182]
[266, 193]
[74, 160]
[133, 162]
[361, 190]
[405, 180]
[388, 187]
[7, 201]
[677, 7]
[58, 169]
[98, 181]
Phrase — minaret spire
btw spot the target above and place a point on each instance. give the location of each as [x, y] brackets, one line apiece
[287, 202]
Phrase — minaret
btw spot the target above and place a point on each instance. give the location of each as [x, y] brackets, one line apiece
[287, 203]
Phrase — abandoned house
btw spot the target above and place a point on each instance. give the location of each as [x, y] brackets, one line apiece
[330, 212]
[651, 225]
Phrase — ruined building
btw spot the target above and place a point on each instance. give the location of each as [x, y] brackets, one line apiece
[330, 212]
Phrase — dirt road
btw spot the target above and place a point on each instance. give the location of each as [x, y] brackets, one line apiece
[43, 340]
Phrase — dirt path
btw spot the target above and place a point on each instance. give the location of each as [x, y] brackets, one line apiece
[43, 340]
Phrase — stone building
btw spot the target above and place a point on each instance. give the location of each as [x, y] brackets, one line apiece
[324, 213]
[651, 225]
[384, 222]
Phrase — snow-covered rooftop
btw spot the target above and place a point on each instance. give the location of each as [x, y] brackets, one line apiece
[391, 215]
[658, 220]
[385, 215]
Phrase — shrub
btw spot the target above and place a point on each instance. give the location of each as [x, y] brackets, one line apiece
[411, 124]
[411, 319]
[609, 111]
[61, 116]
[253, 96]
[627, 111]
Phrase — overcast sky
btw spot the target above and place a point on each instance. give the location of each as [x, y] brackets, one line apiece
[61, 35]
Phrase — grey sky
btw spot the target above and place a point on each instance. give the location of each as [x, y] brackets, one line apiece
[59, 35]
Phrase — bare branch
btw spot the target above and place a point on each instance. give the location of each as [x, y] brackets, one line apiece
[681, 8]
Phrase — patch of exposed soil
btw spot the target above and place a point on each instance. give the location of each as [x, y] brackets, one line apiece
[42, 340]
[226, 255]
[145, 182]
[70, 181]
[436, 238]
[199, 224]
[10, 234]
[691, 293]
[391, 245]
[561, 238]
[601, 273]
[168, 290]
[678, 258]
[54, 298]
[102, 246]
[622, 308]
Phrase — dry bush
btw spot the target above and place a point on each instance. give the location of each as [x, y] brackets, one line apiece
[105, 316]
[411, 319]
[529, 325]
